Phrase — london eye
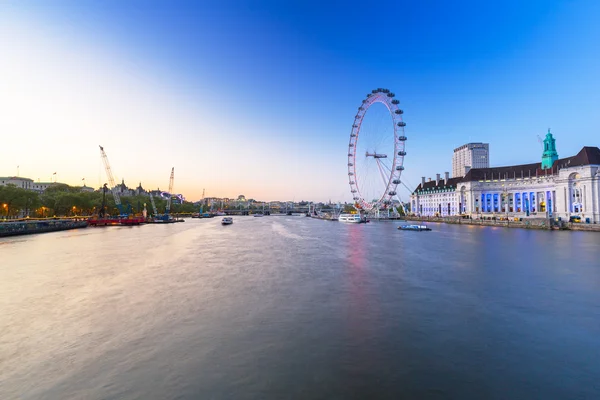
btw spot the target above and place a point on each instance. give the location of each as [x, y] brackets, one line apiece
[376, 151]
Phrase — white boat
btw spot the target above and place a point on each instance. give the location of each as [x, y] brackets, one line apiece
[414, 228]
[351, 218]
[227, 221]
[259, 215]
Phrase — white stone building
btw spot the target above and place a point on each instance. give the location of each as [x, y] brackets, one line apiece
[567, 187]
[470, 155]
[23, 183]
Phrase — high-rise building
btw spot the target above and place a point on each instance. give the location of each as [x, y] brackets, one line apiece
[470, 155]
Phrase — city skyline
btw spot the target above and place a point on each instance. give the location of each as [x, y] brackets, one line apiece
[259, 99]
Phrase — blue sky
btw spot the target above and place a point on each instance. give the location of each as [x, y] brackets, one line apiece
[259, 97]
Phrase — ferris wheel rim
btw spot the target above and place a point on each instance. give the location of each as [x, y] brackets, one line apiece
[387, 98]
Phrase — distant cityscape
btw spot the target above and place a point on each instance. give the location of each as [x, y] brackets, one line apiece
[554, 187]
[216, 203]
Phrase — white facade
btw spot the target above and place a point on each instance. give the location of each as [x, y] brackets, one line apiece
[470, 155]
[26, 183]
[23, 183]
[561, 192]
[41, 186]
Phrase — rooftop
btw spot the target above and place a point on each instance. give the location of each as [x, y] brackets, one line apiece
[587, 156]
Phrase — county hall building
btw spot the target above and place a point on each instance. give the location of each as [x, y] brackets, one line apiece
[554, 187]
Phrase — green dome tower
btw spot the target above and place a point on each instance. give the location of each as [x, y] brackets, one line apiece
[550, 155]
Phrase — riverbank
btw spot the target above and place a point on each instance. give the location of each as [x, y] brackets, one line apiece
[27, 227]
[529, 223]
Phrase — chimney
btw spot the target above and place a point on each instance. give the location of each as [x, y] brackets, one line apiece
[428, 179]
[422, 181]
[437, 179]
[446, 177]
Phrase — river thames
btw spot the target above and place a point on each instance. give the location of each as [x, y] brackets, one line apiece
[296, 308]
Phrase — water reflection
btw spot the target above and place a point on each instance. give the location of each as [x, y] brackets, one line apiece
[362, 304]
[194, 311]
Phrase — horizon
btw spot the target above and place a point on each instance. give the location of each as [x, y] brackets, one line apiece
[266, 109]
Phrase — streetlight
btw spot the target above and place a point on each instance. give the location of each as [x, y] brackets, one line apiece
[74, 210]
[5, 209]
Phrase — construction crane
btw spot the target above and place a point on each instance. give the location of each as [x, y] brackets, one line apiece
[111, 182]
[171, 179]
[153, 205]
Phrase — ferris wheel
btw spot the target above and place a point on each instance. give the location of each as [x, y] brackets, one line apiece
[375, 163]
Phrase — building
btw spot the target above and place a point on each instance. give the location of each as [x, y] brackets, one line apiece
[470, 155]
[25, 183]
[551, 188]
[86, 189]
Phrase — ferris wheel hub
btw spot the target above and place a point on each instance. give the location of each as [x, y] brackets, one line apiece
[375, 155]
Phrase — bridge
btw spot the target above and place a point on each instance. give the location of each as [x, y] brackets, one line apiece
[270, 211]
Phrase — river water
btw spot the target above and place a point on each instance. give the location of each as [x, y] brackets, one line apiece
[296, 308]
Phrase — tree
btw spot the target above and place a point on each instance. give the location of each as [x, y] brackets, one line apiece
[14, 199]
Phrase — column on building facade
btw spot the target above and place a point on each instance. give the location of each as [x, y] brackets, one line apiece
[511, 200]
[469, 203]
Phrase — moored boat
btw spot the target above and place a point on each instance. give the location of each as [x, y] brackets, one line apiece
[116, 221]
[414, 228]
[352, 218]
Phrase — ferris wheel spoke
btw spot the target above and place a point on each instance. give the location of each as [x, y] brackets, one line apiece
[382, 173]
[384, 163]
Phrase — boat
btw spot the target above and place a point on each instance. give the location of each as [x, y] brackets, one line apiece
[351, 218]
[116, 221]
[227, 221]
[414, 228]
[259, 215]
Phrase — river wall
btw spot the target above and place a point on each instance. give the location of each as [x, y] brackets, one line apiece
[525, 223]
[27, 227]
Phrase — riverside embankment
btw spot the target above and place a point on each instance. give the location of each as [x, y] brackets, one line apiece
[529, 223]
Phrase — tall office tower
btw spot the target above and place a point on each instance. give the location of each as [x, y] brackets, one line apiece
[470, 155]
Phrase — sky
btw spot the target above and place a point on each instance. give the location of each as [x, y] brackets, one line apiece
[258, 97]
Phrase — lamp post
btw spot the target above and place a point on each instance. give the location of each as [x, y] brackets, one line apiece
[5, 206]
